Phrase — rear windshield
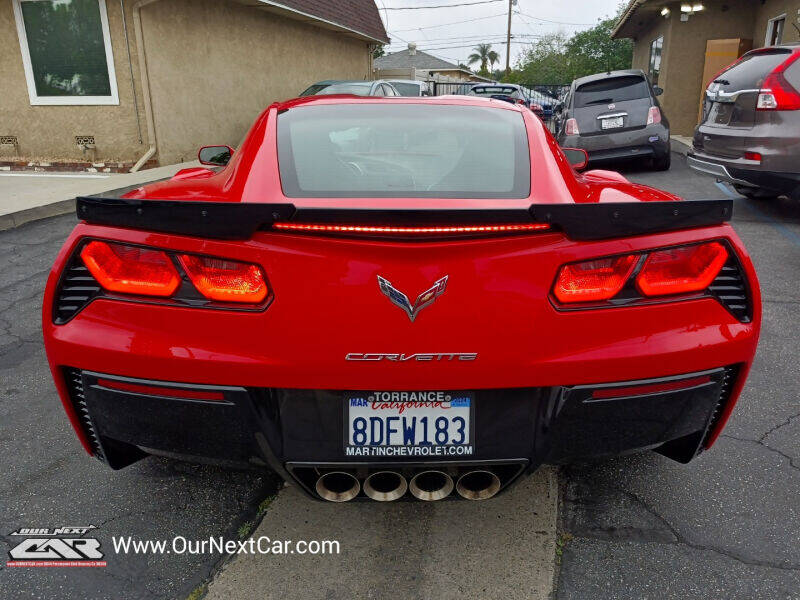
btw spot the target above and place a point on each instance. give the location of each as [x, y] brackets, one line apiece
[314, 89]
[406, 89]
[497, 90]
[751, 72]
[403, 150]
[613, 89]
[358, 89]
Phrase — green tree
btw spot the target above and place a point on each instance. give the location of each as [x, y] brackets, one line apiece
[484, 55]
[378, 52]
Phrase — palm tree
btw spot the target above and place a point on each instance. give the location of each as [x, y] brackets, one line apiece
[484, 55]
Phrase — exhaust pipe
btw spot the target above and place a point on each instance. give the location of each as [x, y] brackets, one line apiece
[478, 485]
[385, 486]
[337, 486]
[431, 485]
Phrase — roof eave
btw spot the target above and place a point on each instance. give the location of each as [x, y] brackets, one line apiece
[626, 16]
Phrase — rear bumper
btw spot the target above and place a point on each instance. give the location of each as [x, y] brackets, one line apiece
[293, 430]
[737, 172]
[652, 141]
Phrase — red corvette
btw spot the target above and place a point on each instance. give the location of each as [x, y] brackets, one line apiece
[408, 297]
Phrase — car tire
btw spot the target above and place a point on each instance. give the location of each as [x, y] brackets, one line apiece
[753, 193]
[662, 163]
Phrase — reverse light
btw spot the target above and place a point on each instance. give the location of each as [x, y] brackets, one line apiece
[571, 127]
[225, 280]
[130, 269]
[653, 115]
[776, 92]
[403, 230]
[681, 270]
[594, 280]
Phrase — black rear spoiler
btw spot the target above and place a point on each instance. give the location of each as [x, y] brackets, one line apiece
[239, 221]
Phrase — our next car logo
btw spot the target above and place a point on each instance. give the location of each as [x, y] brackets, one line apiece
[56, 547]
[399, 299]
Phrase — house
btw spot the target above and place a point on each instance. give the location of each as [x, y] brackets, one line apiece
[415, 64]
[682, 45]
[134, 82]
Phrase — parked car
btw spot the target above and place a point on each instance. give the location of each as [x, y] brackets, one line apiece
[380, 297]
[508, 92]
[356, 88]
[750, 130]
[411, 87]
[614, 116]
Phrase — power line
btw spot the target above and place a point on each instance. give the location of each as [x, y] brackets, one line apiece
[555, 22]
[453, 23]
[441, 5]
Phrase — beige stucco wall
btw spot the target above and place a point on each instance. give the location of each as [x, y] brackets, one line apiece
[214, 65]
[774, 8]
[49, 131]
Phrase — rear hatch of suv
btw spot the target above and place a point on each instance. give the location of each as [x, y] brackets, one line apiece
[612, 104]
[730, 105]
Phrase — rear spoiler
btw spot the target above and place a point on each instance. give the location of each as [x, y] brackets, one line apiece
[239, 221]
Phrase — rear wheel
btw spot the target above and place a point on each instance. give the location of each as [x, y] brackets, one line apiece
[662, 163]
[754, 193]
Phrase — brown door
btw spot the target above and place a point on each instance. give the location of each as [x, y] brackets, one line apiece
[719, 54]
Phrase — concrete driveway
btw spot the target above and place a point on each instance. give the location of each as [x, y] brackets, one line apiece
[725, 526]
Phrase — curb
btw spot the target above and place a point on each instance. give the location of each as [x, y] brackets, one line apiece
[20, 217]
[681, 146]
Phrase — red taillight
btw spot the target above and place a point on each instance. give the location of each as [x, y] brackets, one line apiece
[776, 92]
[653, 115]
[130, 269]
[681, 270]
[403, 230]
[753, 156]
[225, 280]
[157, 390]
[594, 280]
[571, 127]
[649, 388]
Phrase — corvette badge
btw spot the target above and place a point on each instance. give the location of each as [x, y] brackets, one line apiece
[399, 299]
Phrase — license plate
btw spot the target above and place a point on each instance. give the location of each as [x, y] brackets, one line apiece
[611, 123]
[409, 424]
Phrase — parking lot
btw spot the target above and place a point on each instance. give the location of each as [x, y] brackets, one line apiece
[727, 525]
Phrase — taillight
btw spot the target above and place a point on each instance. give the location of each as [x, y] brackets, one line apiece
[225, 280]
[776, 92]
[571, 127]
[753, 156]
[653, 115]
[681, 270]
[594, 280]
[130, 269]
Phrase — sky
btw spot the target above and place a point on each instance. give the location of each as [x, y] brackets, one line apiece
[451, 32]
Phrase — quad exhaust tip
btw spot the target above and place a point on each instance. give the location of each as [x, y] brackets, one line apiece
[338, 486]
[385, 486]
[478, 485]
[431, 485]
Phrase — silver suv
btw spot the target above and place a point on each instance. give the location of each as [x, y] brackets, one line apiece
[750, 131]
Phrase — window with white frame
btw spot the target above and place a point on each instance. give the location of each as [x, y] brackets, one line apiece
[656, 48]
[66, 51]
[775, 30]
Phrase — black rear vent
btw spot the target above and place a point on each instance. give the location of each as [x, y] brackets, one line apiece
[730, 289]
[74, 380]
[725, 388]
[75, 290]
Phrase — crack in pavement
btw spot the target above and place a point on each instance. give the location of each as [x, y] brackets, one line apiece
[791, 459]
[788, 421]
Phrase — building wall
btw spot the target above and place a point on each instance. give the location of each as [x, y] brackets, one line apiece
[774, 8]
[48, 132]
[215, 65]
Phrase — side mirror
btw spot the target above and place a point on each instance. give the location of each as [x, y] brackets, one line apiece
[578, 158]
[217, 156]
[658, 90]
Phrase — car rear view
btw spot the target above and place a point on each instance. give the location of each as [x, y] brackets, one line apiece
[615, 116]
[410, 298]
[750, 131]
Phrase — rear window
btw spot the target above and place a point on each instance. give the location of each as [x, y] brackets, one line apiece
[751, 72]
[612, 89]
[403, 150]
[490, 91]
[314, 89]
[358, 89]
[406, 89]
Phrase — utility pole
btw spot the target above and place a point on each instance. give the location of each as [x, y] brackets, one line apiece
[508, 40]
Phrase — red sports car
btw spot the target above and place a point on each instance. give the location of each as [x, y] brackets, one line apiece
[407, 297]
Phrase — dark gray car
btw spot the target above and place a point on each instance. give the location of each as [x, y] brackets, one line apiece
[750, 131]
[614, 116]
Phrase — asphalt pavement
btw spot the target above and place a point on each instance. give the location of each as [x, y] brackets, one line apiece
[641, 526]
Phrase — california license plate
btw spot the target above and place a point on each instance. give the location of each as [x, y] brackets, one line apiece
[611, 123]
[409, 424]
